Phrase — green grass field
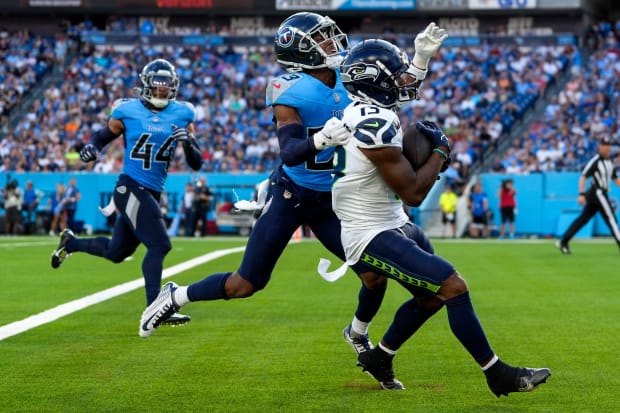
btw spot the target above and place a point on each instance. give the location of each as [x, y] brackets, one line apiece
[282, 350]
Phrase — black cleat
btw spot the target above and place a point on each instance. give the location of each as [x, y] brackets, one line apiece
[378, 364]
[177, 319]
[516, 379]
[563, 248]
[60, 253]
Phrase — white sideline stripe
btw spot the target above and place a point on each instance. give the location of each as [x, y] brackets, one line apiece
[62, 310]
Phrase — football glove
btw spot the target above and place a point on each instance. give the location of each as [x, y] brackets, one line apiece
[180, 134]
[426, 44]
[334, 133]
[433, 132]
[89, 153]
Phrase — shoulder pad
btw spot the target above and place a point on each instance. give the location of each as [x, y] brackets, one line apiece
[280, 85]
[374, 126]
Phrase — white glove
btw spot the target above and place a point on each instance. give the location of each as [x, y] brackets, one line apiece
[426, 45]
[334, 133]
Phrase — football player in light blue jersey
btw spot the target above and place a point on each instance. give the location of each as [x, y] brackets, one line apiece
[152, 126]
[307, 103]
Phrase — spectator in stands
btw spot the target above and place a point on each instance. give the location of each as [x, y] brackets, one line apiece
[478, 204]
[507, 207]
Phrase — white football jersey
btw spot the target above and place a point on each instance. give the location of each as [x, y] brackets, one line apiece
[362, 201]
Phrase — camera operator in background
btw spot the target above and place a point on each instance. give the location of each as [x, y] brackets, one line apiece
[203, 196]
[13, 199]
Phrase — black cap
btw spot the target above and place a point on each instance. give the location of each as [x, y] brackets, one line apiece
[605, 141]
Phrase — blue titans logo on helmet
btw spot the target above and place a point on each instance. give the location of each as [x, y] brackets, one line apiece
[285, 36]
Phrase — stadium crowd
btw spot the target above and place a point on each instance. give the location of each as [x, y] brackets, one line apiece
[585, 111]
[475, 92]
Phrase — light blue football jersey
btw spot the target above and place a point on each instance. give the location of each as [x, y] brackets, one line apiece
[148, 145]
[316, 103]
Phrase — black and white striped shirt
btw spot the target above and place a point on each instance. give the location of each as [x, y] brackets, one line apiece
[602, 171]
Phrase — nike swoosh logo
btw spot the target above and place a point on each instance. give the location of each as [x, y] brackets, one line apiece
[372, 125]
[276, 85]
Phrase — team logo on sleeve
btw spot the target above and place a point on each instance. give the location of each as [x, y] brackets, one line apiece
[285, 37]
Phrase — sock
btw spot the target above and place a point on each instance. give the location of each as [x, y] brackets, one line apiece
[210, 288]
[466, 327]
[180, 296]
[387, 350]
[358, 328]
[369, 302]
[407, 320]
[152, 267]
[497, 370]
[490, 363]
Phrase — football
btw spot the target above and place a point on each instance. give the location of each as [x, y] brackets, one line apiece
[417, 148]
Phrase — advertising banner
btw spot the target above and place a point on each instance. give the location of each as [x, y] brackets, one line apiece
[441, 4]
[345, 5]
[502, 4]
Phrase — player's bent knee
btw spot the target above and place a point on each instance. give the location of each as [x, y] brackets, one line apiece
[238, 287]
[453, 286]
[117, 256]
[429, 303]
[373, 281]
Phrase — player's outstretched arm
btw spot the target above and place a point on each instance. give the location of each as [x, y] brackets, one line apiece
[426, 44]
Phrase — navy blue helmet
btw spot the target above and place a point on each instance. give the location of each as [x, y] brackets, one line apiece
[375, 72]
[160, 83]
[309, 41]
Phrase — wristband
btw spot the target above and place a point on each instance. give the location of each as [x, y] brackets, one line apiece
[582, 194]
[442, 153]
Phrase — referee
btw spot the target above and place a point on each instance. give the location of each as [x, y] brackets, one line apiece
[602, 170]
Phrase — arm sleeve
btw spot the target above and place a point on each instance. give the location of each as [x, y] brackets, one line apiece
[193, 155]
[295, 147]
[102, 137]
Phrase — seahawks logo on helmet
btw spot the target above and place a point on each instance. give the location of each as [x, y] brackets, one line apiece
[285, 37]
[363, 71]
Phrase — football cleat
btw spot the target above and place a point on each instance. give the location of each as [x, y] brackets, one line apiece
[563, 247]
[159, 310]
[60, 253]
[177, 319]
[516, 379]
[358, 344]
[378, 364]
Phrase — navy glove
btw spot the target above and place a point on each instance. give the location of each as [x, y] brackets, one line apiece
[89, 153]
[434, 133]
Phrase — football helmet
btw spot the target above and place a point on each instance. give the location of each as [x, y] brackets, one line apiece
[309, 41]
[376, 72]
[160, 83]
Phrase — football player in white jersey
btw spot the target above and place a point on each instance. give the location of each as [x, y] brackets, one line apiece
[372, 180]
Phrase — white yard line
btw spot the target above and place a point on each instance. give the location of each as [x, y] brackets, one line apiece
[62, 310]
